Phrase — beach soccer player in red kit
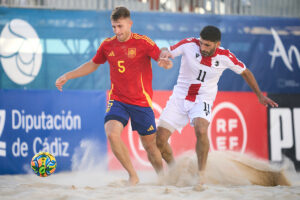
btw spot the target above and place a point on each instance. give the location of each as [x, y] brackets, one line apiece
[129, 56]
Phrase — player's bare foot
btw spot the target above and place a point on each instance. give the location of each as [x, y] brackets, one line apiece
[161, 178]
[199, 188]
[133, 180]
[123, 183]
[201, 180]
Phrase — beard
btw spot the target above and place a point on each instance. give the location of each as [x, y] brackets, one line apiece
[207, 53]
[123, 37]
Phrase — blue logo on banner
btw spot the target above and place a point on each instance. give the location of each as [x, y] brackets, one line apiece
[20, 52]
[2, 143]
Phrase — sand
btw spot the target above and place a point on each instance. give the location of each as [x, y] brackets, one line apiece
[229, 176]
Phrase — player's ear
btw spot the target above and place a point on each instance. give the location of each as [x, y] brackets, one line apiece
[218, 44]
[130, 22]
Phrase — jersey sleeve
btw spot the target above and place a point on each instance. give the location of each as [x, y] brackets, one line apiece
[235, 64]
[152, 49]
[177, 49]
[154, 52]
[100, 57]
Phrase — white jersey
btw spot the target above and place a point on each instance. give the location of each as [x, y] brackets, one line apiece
[199, 76]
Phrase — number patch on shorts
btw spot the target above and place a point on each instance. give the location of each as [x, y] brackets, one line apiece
[109, 105]
[206, 108]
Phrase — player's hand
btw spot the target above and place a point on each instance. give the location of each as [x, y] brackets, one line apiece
[165, 63]
[267, 101]
[164, 59]
[164, 53]
[60, 82]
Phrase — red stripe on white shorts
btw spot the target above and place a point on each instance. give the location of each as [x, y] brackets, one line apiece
[193, 91]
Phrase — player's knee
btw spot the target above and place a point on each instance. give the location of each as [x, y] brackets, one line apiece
[161, 140]
[150, 147]
[201, 133]
[113, 137]
[202, 138]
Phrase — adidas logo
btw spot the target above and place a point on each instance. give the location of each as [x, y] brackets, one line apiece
[111, 53]
[150, 128]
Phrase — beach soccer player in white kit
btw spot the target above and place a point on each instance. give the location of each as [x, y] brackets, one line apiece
[202, 64]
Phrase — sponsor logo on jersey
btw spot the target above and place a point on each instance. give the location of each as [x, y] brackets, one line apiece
[111, 53]
[150, 128]
[217, 63]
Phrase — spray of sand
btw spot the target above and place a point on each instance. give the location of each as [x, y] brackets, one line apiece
[223, 168]
[230, 168]
[88, 156]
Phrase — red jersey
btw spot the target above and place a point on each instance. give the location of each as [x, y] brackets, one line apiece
[130, 68]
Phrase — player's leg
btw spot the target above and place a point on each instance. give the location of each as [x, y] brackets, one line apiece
[143, 121]
[202, 144]
[163, 135]
[200, 117]
[172, 118]
[115, 120]
[153, 153]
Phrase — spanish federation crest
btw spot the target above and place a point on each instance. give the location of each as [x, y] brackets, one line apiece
[131, 52]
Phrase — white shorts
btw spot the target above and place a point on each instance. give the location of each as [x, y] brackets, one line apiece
[178, 112]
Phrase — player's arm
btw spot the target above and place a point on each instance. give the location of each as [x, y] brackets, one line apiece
[251, 81]
[173, 51]
[164, 58]
[83, 70]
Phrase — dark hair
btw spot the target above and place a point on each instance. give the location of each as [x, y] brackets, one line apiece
[211, 33]
[119, 12]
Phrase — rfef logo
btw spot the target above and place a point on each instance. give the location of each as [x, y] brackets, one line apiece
[2, 123]
[228, 129]
[20, 51]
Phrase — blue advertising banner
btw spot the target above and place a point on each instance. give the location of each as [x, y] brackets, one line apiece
[62, 123]
[39, 45]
